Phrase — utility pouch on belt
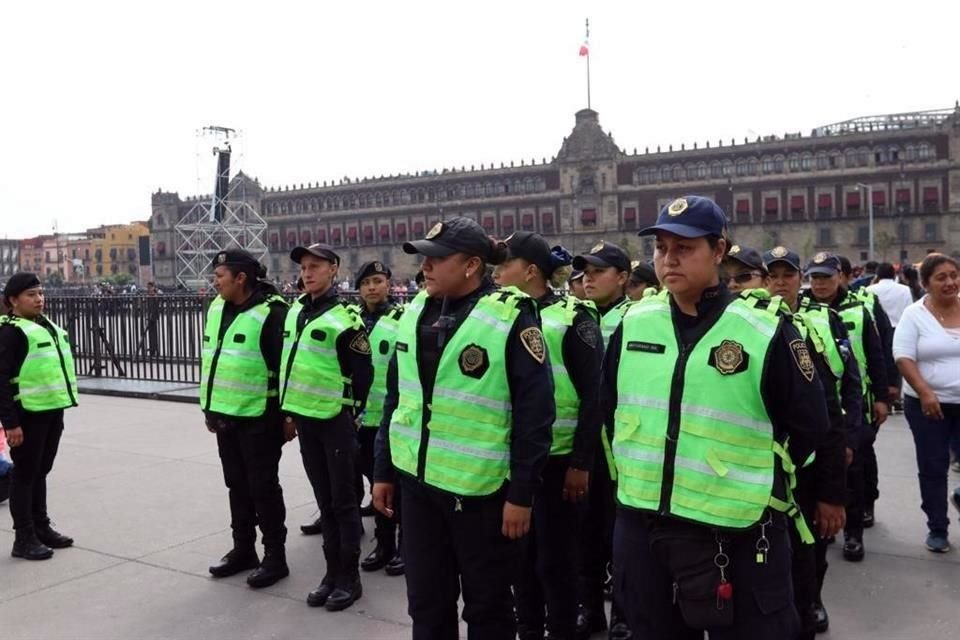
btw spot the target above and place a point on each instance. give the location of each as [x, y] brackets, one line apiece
[689, 558]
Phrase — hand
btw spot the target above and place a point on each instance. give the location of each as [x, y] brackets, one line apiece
[928, 402]
[516, 521]
[880, 412]
[848, 456]
[289, 430]
[211, 425]
[894, 394]
[383, 498]
[14, 437]
[576, 484]
[829, 518]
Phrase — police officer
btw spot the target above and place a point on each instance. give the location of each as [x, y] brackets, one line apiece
[466, 433]
[743, 269]
[240, 361]
[821, 486]
[642, 277]
[380, 318]
[325, 374]
[706, 387]
[572, 333]
[575, 283]
[871, 479]
[606, 269]
[37, 382]
[825, 287]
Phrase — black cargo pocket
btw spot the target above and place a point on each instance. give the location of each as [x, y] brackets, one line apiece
[770, 600]
[696, 595]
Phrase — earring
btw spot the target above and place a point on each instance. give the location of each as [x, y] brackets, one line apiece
[467, 275]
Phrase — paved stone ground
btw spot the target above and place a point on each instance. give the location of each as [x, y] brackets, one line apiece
[138, 484]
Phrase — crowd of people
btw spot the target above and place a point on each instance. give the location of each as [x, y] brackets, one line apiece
[543, 432]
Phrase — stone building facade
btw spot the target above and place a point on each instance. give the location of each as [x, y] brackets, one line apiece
[810, 192]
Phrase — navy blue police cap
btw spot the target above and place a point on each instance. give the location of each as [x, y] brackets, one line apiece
[690, 217]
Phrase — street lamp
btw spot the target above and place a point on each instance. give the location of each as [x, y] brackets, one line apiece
[869, 190]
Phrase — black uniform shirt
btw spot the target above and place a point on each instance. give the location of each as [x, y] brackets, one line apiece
[794, 403]
[583, 355]
[370, 318]
[355, 362]
[13, 351]
[271, 341]
[531, 392]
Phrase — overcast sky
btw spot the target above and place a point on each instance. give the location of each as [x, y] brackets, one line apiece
[101, 101]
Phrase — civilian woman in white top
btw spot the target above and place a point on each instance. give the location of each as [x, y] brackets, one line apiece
[926, 346]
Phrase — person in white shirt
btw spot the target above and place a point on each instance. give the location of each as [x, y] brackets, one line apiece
[894, 297]
[926, 346]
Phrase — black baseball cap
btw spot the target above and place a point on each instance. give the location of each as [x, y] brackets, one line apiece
[603, 255]
[643, 272]
[318, 250]
[690, 217]
[750, 258]
[823, 263]
[781, 254]
[371, 268]
[235, 258]
[576, 274]
[532, 248]
[456, 235]
[20, 282]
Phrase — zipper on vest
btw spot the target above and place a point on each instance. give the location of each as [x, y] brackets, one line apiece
[425, 410]
[213, 370]
[286, 378]
[63, 368]
[673, 427]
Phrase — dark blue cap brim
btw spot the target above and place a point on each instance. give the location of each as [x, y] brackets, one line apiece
[792, 265]
[682, 230]
[428, 248]
[826, 271]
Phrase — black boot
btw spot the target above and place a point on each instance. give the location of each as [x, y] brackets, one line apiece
[379, 558]
[272, 569]
[590, 620]
[348, 588]
[27, 546]
[853, 550]
[4, 487]
[396, 566]
[821, 617]
[318, 597]
[618, 626]
[237, 559]
[311, 529]
[52, 538]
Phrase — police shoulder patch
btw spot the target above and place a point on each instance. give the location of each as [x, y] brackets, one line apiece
[360, 344]
[589, 333]
[532, 340]
[801, 355]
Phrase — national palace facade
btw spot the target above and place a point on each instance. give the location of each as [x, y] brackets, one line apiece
[811, 192]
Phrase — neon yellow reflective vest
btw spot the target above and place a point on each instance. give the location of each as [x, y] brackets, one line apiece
[817, 316]
[311, 381]
[234, 378]
[382, 341]
[608, 326]
[46, 380]
[458, 440]
[851, 312]
[698, 444]
[557, 319]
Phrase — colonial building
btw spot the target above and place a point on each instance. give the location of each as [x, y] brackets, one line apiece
[812, 192]
[98, 253]
[9, 257]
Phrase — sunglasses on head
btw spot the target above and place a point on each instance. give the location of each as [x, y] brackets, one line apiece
[745, 277]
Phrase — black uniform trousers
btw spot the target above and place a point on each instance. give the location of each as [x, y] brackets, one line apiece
[329, 452]
[548, 569]
[809, 561]
[386, 528]
[450, 544]
[33, 460]
[250, 457]
[596, 534]
[856, 492]
[871, 473]
[762, 593]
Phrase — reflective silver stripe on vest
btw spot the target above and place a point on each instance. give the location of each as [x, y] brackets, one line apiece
[564, 423]
[696, 410]
[619, 451]
[324, 351]
[320, 391]
[440, 443]
[647, 307]
[755, 322]
[239, 386]
[553, 324]
[32, 391]
[258, 313]
[241, 353]
[41, 354]
[486, 318]
[405, 430]
[559, 370]
[471, 398]
[762, 479]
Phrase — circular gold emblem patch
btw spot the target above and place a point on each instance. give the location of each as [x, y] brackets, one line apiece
[597, 248]
[729, 356]
[435, 230]
[677, 207]
[820, 258]
[779, 252]
[734, 250]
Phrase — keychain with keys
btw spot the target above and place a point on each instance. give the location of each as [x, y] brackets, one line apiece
[763, 545]
[724, 589]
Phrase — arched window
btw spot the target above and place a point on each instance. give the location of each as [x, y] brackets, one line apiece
[794, 162]
[850, 158]
[716, 169]
[753, 166]
[766, 164]
[727, 168]
[807, 162]
[823, 161]
[926, 152]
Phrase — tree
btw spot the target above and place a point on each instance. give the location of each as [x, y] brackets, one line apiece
[882, 244]
[55, 279]
[122, 279]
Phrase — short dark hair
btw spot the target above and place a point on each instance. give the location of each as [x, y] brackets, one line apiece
[930, 264]
[871, 266]
[845, 267]
[885, 271]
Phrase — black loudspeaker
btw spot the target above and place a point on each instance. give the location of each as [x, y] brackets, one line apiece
[144, 250]
[223, 183]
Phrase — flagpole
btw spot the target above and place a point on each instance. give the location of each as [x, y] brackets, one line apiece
[588, 62]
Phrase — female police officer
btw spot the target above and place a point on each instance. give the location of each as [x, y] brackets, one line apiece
[240, 360]
[37, 382]
[325, 374]
[572, 334]
[705, 389]
[467, 428]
